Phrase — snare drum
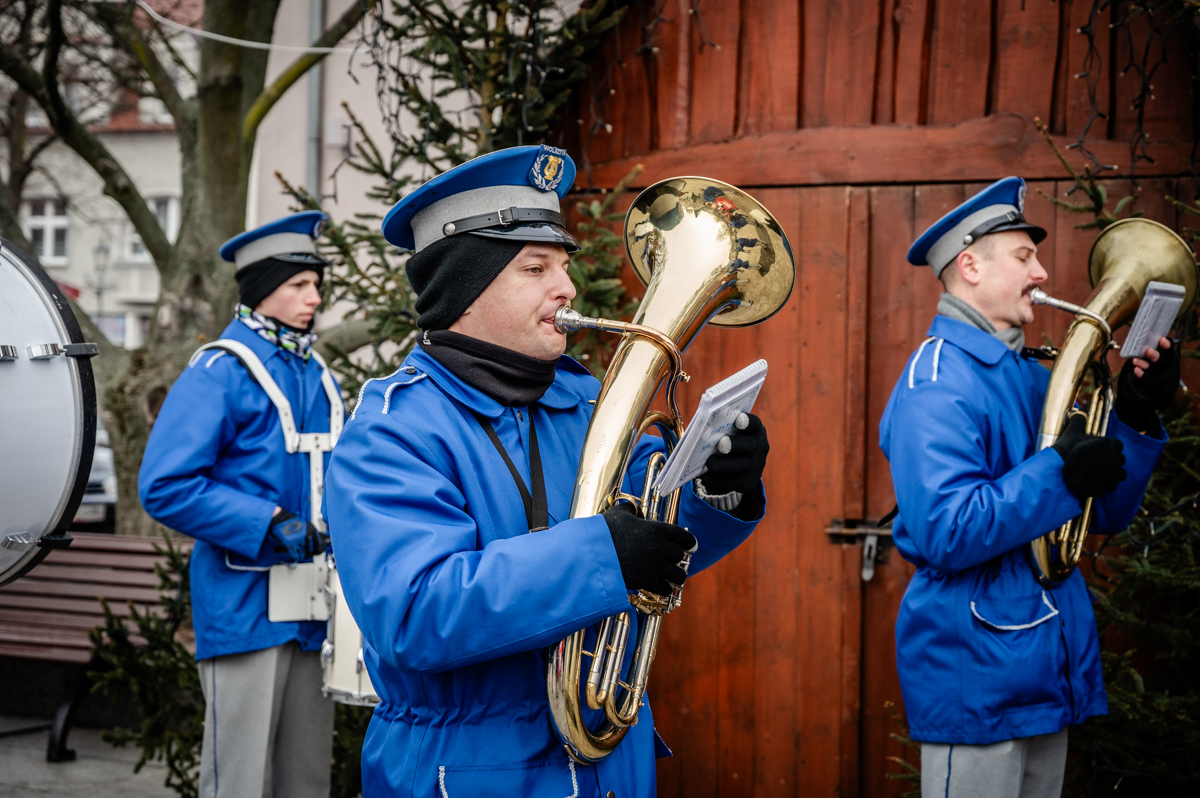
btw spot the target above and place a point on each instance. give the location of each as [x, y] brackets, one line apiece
[345, 678]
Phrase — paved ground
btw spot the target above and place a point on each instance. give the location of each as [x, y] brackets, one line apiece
[99, 770]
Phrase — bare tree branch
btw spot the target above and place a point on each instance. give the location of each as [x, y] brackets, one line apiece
[345, 337]
[128, 37]
[10, 226]
[117, 183]
[271, 94]
[175, 55]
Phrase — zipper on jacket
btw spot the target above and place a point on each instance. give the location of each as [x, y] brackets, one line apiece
[1062, 633]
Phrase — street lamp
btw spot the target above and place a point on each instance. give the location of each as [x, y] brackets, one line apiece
[100, 267]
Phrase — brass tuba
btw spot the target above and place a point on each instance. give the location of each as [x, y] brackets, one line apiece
[1125, 258]
[706, 252]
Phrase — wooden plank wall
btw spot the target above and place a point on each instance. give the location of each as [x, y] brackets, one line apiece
[858, 123]
[771, 680]
[680, 73]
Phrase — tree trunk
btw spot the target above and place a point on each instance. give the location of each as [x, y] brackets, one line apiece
[198, 291]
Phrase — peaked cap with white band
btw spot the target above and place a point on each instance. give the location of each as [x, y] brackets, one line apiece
[291, 239]
[998, 208]
[513, 193]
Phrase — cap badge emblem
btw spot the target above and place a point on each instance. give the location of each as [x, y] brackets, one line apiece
[547, 171]
[319, 227]
[1021, 198]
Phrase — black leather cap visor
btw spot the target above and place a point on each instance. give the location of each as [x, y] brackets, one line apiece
[534, 233]
[1002, 224]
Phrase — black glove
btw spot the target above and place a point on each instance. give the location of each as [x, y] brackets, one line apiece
[294, 538]
[1091, 465]
[1138, 398]
[649, 551]
[738, 463]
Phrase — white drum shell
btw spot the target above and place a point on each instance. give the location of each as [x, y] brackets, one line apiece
[345, 679]
[47, 412]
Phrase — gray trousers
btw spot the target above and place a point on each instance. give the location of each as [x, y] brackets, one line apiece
[268, 731]
[1027, 767]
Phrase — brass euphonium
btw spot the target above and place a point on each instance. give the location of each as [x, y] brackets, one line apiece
[706, 252]
[1125, 258]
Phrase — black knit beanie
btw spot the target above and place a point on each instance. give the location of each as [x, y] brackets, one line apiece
[450, 274]
[258, 280]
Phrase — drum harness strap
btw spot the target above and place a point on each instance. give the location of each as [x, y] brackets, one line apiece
[314, 444]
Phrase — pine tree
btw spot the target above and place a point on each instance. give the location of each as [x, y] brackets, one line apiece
[1146, 581]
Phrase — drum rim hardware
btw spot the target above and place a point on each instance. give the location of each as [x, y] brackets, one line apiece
[70, 342]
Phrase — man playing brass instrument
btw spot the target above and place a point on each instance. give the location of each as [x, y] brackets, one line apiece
[447, 467]
[993, 667]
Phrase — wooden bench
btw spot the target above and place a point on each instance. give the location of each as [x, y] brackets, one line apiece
[48, 613]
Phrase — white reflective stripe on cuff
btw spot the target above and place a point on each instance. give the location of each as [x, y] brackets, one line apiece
[233, 567]
[724, 501]
[1043, 619]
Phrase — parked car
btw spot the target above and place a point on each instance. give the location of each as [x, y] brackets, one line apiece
[98, 510]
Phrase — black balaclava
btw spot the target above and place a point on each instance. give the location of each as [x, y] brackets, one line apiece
[511, 378]
[258, 280]
[450, 274]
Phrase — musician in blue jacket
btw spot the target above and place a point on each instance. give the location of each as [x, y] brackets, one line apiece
[448, 503]
[994, 667]
[222, 466]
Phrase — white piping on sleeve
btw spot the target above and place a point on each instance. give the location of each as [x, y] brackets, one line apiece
[937, 356]
[913, 366]
[212, 359]
[1017, 628]
[362, 389]
[387, 395]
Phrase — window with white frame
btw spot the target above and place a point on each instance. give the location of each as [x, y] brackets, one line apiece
[166, 210]
[46, 227]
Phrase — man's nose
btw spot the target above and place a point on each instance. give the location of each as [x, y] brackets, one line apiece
[1038, 274]
[564, 287]
[312, 296]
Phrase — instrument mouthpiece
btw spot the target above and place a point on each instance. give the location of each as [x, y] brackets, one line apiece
[1039, 297]
[567, 320]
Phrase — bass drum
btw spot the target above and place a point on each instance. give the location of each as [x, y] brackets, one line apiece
[345, 678]
[47, 414]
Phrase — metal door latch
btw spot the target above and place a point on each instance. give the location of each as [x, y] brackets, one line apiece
[869, 533]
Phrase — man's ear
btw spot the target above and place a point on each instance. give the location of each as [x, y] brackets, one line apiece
[967, 266]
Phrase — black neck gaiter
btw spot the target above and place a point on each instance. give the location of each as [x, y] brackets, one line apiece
[511, 378]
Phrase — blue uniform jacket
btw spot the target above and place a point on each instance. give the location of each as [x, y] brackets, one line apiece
[984, 653]
[215, 468]
[456, 599]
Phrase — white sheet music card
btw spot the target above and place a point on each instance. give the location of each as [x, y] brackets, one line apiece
[1154, 318]
[719, 408]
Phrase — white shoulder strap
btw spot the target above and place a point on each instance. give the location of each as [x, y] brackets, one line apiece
[245, 354]
[337, 409]
[314, 444]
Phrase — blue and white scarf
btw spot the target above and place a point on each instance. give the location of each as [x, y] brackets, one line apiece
[275, 331]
